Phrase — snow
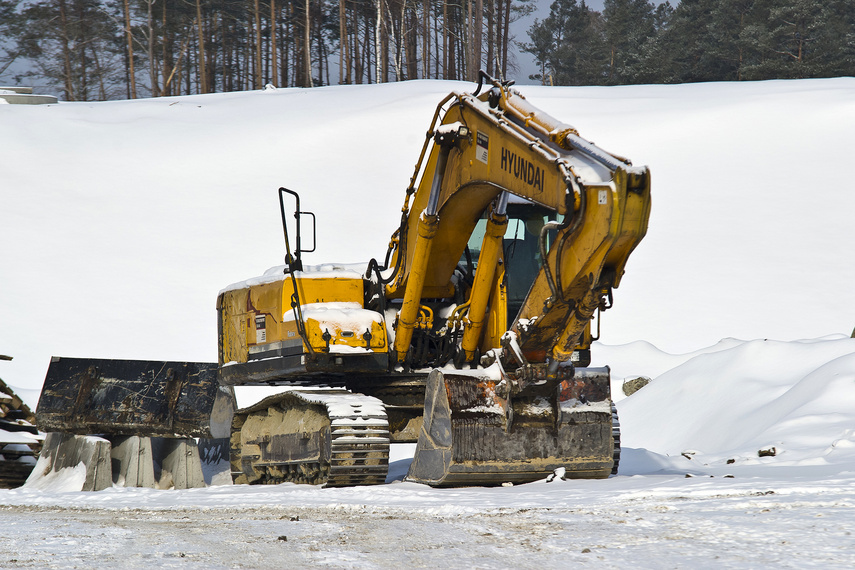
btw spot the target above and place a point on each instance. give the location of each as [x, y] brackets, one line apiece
[121, 221]
[18, 437]
[65, 480]
[337, 316]
[344, 406]
[323, 271]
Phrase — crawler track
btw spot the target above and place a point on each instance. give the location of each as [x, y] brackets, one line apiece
[323, 437]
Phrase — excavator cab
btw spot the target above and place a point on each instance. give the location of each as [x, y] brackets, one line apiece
[521, 253]
[522, 260]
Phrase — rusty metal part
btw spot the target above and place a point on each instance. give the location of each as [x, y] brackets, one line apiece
[134, 397]
[474, 436]
[330, 437]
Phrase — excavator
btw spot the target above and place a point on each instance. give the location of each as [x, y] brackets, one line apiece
[471, 337]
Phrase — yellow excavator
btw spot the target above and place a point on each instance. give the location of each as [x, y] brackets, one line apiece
[472, 337]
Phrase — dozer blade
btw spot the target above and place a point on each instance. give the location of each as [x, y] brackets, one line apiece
[134, 397]
[324, 437]
[472, 436]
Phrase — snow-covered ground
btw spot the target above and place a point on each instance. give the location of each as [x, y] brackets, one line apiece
[121, 221]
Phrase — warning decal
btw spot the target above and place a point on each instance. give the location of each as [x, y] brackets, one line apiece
[482, 144]
[260, 328]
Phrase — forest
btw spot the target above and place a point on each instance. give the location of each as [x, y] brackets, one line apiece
[120, 49]
[634, 41]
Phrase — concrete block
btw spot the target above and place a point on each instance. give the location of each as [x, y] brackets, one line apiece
[132, 461]
[17, 98]
[65, 450]
[179, 463]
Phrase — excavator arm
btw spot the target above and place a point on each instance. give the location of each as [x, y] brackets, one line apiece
[490, 147]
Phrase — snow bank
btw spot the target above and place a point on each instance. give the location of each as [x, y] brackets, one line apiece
[65, 480]
[725, 405]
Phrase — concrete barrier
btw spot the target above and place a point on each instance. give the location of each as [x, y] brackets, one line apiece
[123, 461]
[25, 96]
[180, 465]
[132, 461]
[77, 452]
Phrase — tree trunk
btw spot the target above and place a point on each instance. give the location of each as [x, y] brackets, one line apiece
[358, 57]
[505, 34]
[168, 82]
[324, 52]
[274, 69]
[436, 44]
[132, 76]
[203, 75]
[490, 35]
[397, 31]
[308, 80]
[426, 39]
[99, 73]
[286, 50]
[477, 40]
[155, 92]
[80, 48]
[384, 45]
[66, 53]
[188, 67]
[500, 39]
[164, 49]
[445, 46]
[256, 14]
[211, 27]
[316, 30]
[377, 40]
[342, 42]
[412, 39]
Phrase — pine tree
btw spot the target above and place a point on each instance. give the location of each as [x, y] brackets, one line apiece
[628, 25]
[684, 43]
[568, 45]
[725, 47]
[806, 36]
[654, 63]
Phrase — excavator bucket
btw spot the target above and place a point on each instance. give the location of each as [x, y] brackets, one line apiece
[472, 436]
[134, 397]
[147, 414]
